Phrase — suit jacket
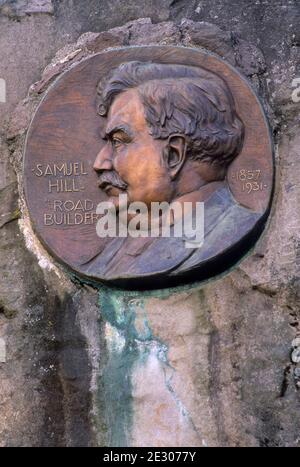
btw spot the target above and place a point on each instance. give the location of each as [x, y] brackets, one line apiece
[225, 224]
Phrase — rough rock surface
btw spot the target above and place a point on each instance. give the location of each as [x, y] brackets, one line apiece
[211, 364]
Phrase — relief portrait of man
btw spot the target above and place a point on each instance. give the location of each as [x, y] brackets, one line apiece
[171, 132]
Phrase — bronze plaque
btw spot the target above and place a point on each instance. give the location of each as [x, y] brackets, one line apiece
[149, 125]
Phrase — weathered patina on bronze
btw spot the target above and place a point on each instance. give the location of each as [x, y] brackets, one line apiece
[163, 124]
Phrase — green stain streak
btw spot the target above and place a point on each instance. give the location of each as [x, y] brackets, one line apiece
[117, 396]
[127, 337]
[126, 312]
[129, 341]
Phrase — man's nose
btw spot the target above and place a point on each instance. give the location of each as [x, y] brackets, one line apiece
[103, 160]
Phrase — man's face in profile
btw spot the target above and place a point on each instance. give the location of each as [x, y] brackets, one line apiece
[131, 160]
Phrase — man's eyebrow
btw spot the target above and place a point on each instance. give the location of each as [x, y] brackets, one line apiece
[122, 127]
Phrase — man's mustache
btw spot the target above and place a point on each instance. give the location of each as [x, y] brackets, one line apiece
[111, 178]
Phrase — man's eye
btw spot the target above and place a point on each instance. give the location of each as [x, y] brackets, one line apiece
[116, 142]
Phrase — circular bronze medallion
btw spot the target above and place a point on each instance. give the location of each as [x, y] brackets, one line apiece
[133, 128]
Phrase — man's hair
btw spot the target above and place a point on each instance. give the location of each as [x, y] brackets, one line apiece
[180, 99]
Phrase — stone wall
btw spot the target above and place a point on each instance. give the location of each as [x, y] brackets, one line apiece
[194, 366]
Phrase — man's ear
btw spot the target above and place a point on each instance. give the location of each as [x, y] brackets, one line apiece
[175, 153]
